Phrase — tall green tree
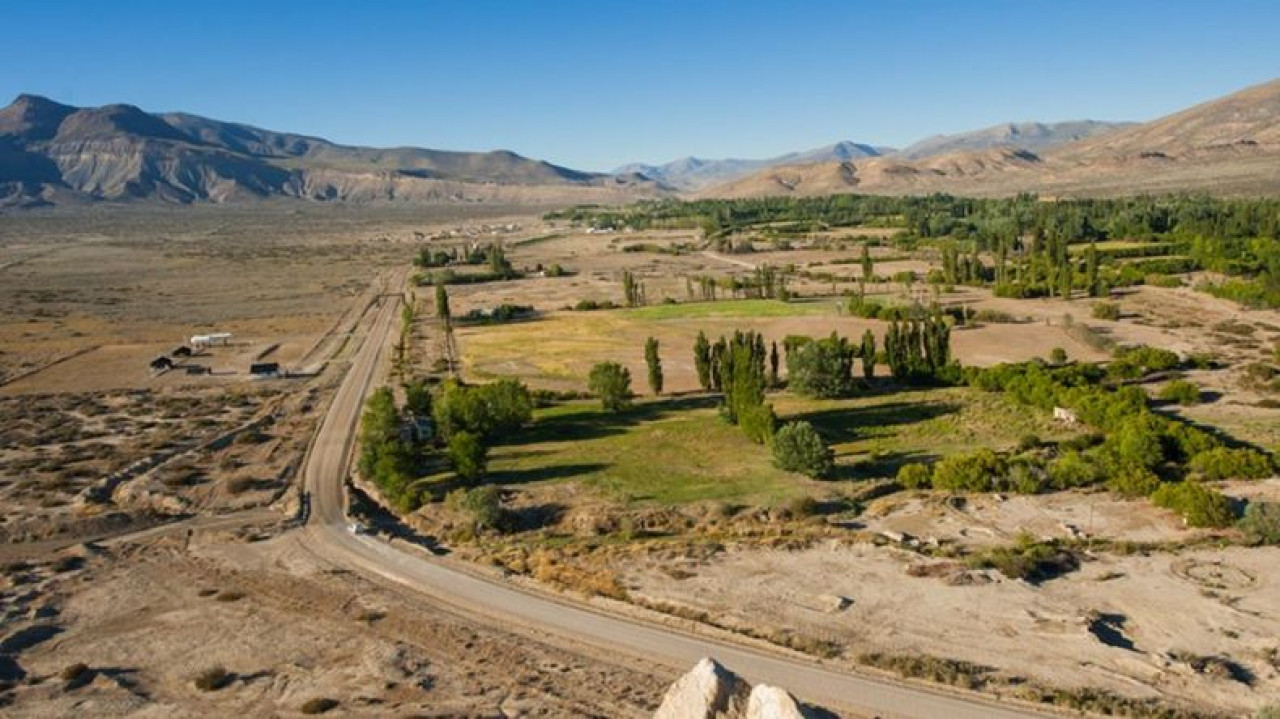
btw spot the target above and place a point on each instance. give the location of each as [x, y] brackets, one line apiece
[1091, 269]
[773, 365]
[868, 354]
[702, 360]
[868, 267]
[442, 304]
[654, 364]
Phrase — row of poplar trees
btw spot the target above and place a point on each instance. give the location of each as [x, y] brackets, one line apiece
[736, 366]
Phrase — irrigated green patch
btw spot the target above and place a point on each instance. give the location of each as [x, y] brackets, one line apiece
[732, 308]
[875, 434]
[670, 451]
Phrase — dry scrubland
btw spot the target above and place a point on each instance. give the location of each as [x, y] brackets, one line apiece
[204, 617]
[664, 506]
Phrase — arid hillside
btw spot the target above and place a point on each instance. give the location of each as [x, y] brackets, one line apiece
[52, 153]
[1229, 146]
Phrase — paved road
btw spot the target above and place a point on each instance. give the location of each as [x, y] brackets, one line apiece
[326, 534]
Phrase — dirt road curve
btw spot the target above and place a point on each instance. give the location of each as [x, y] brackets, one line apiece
[326, 534]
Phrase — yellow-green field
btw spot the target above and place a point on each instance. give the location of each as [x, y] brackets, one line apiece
[558, 349]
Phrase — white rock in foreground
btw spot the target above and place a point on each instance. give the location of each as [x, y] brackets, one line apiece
[708, 691]
[768, 702]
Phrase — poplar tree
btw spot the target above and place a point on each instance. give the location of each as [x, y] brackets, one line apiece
[654, 363]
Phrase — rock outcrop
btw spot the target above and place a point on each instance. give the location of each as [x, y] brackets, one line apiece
[710, 691]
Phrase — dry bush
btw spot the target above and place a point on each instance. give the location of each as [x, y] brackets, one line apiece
[72, 672]
[319, 705]
[212, 679]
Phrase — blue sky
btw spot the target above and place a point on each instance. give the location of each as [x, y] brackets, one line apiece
[595, 83]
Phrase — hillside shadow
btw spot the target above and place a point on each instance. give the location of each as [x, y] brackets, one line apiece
[542, 474]
[524, 519]
[885, 465]
[588, 422]
[841, 425]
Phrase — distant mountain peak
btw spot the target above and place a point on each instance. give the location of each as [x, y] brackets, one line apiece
[1026, 135]
[691, 173]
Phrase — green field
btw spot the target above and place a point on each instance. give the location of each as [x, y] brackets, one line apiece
[671, 451]
[874, 434]
[678, 450]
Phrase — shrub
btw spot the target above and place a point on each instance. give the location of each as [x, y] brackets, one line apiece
[915, 476]
[482, 504]
[1136, 442]
[974, 472]
[1106, 311]
[1200, 506]
[1181, 391]
[468, 454]
[1072, 469]
[1133, 362]
[1027, 559]
[1057, 355]
[212, 679]
[319, 705]
[798, 448]
[1133, 482]
[611, 382]
[1225, 463]
[1261, 522]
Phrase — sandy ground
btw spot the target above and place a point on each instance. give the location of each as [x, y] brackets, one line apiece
[1209, 603]
[147, 620]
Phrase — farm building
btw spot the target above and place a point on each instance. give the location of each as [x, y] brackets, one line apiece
[216, 338]
[264, 369]
[1065, 416]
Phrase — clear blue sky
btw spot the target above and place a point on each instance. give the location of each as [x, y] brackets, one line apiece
[596, 83]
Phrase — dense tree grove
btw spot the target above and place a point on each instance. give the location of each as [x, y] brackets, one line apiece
[739, 362]
[821, 368]
[1027, 239]
[1141, 451]
[633, 290]
[918, 350]
[486, 410]
[387, 459]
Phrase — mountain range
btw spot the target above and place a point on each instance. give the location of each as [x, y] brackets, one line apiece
[1228, 146]
[693, 173]
[51, 153]
[55, 153]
